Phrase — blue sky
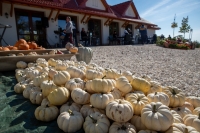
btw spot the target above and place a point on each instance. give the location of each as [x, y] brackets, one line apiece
[162, 12]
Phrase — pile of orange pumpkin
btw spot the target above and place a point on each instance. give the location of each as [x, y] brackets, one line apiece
[21, 44]
[101, 100]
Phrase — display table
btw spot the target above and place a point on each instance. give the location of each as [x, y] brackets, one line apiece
[8, 63]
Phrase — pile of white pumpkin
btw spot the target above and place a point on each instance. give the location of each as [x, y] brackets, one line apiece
[100, 100]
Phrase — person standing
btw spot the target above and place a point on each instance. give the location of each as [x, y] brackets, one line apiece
[143, 33]
[68, 31]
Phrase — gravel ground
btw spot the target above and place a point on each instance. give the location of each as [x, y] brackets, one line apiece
[170, 67]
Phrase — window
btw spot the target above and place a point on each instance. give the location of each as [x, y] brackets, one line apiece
[114, 26]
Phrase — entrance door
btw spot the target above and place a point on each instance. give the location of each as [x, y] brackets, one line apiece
[30, 27]
[94, 27]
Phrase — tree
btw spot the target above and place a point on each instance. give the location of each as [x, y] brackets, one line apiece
[185, 28]
[174, 25]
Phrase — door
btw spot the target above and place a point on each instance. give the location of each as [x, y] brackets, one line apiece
[30, 26]
[94, 27]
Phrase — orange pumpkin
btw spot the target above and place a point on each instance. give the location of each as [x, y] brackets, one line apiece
[5, 49]
[39, 48]
[23, 46]
[20, 41]
[73, 49]
[14, 48]
[10, 47]
[0, 48]
[32, 45]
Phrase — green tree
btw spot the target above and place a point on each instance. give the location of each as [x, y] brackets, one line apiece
[185, 28]
[174, 25]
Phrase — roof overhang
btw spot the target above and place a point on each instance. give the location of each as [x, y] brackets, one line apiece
[59, 8]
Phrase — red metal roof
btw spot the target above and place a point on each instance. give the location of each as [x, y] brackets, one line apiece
[114, 12]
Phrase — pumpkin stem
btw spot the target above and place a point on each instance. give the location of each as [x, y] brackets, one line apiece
[70, 112]
[120, 102]
[104, 77]
[123, 127]
[138, 99]
[186, 130]
[179, 109]
[94, 121]
[173, 92]
[154, 109]
[199, 116]
[155, 93]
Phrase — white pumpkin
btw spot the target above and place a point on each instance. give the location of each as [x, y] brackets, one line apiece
[119, 110]
[70, 106]
[88, 109]
[75, 83]
[182, 111]
[137, 122]
[96, 123]
[122, 128]
[21, 64]
[47, 86]
[100, 100]
[159, 97]
[80, 96]
[36, 97]
[70, 121]
[61, 78]
[156, 116]
[123, 85]
[28, 90]
[19, 87]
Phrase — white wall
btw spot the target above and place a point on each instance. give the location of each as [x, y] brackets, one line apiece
[97, 4]
[10, 35]
[150, 32]
[129, 12]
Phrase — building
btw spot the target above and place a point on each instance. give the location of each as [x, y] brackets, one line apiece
[40, 20]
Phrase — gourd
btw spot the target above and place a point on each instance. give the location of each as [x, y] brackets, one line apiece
[122, 128]
[189, 106]
[123, 85]
[155, 87]
[61, 78]
[100, 100]
[129, 75]
[88, 109]
[47, 86]
[19, 87]
[177, 117]
[36, 97]
[59, 96]
[147, 131]
[119, 110]
[193, 121]
[21, 64]
[112, 73]
[102, 85]
[28, 90]
[195, 101]
[73, 50]
[84, 54]
[138, 101]
[32, 45]
[80, 96]
[37, 81]
[181, 128]
[61, 66]
[94, 73]
[75, 72]
[75, 83]
[68, 45]
[136, 121]
[116, 94]
[182, 111]
[70, 106]
[140, 84]
[159, 97]
[96, 123]
[156, 114]
[46, 113]
[196, 111]
[70, 121]
[176, 96]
